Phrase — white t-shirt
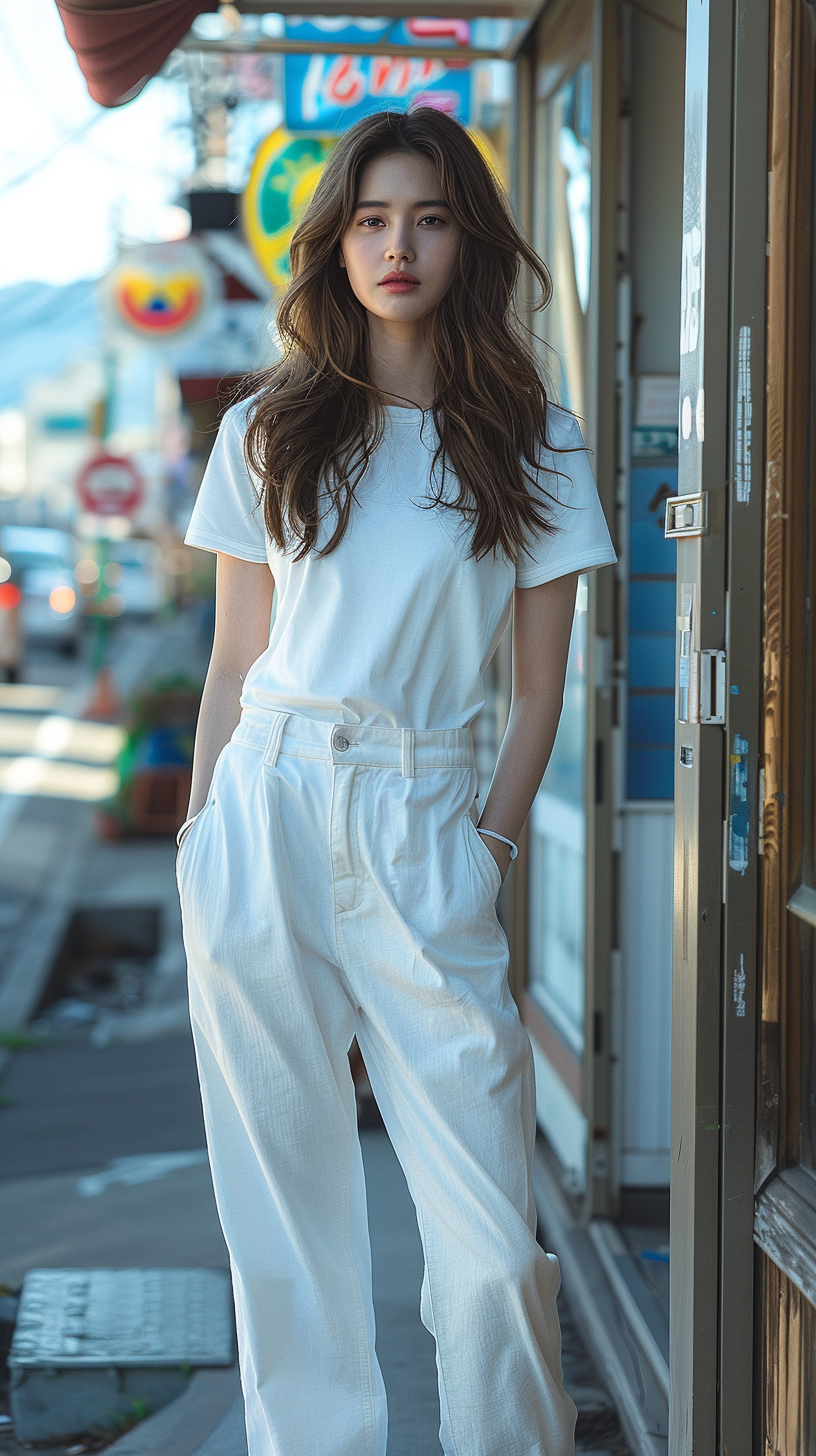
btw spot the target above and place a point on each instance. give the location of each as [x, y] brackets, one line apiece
[395, 626]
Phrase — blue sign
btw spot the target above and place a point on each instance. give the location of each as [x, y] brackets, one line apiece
[414, 31]
[328, 94]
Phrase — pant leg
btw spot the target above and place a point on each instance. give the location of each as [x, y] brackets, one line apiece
[451, 1066]
[272, 1023]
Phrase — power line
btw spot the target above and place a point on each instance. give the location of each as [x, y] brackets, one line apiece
[23, 74]
[74, 136]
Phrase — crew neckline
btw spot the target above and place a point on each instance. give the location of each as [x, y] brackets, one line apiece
[407, 413]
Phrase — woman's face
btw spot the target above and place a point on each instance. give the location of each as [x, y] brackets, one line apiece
[401, 250]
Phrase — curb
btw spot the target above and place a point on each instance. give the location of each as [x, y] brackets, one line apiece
[191, 1423]
[639, 1396]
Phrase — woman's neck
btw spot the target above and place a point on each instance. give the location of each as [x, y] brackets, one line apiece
[402, 363]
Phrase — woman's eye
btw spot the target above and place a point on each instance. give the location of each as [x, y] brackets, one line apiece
[370, 222]
[432, 219]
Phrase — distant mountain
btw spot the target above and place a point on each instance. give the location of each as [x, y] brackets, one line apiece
[43, 326]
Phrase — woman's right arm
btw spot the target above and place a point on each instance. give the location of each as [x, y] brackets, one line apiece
[243, 608]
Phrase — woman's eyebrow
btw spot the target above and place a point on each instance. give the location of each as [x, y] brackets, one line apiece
[429, 202]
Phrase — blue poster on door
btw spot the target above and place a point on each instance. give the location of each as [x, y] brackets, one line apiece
[327, 94]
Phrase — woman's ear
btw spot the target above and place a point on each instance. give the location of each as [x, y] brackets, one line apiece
[341, 260]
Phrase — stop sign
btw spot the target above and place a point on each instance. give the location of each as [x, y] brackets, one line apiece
[110, 485]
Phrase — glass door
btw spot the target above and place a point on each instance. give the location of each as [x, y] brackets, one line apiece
[555, 1003]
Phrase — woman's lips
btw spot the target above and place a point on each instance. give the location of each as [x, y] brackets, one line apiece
[399, 282]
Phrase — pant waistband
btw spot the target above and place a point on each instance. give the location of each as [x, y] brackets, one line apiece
[411, 750]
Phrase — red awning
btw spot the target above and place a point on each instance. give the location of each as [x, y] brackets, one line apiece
[120, 46]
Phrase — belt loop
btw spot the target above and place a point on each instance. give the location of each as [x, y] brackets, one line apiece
[408, 769]
[273, 742]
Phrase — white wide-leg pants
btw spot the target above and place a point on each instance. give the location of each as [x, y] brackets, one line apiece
[334, 884]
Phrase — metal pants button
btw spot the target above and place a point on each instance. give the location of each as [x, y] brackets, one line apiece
[340, 743]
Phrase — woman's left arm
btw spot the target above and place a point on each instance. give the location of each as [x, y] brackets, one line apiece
[542, 624]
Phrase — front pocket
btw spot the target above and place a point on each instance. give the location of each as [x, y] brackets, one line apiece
[483, 855]
[187, 828]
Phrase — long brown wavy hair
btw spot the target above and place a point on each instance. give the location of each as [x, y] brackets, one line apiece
[316, 417]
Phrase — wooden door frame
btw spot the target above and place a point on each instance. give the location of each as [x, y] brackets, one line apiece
[785, 1217]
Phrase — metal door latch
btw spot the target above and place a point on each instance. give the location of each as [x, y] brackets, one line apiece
[701, 680]
[686, 515]
[712, 685]
[702, 686]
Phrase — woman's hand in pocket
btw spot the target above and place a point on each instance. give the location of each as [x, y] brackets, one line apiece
[499, 851]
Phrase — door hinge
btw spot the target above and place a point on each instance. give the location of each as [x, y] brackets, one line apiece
[686, 515]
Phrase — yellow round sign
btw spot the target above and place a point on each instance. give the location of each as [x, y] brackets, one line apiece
[489, 153]
[284, 175]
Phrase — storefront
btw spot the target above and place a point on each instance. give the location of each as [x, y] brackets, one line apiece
[680, 791]
[662, 911]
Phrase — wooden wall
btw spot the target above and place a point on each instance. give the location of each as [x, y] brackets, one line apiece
[787, 1358]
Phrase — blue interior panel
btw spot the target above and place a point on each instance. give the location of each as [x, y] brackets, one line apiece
[652, 609]
[652, 606]
[651, 773]
[651, 719]
[651, 553]
[651, 661]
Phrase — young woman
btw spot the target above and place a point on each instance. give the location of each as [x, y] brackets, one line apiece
[400, 478]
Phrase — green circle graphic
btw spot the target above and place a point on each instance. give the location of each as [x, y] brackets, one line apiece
[281, 175]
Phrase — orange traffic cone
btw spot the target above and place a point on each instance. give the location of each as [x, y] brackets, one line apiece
[105, 705]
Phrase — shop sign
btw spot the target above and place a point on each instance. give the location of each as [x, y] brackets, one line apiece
[110, 485]
[371, 30]
[284, 175]
[160, 291]
[330, 93]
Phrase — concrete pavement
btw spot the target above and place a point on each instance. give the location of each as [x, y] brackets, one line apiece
[157, 1209]
[405, 1348]
[104, 1161]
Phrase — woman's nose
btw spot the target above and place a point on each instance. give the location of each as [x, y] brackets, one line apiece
[398, 249]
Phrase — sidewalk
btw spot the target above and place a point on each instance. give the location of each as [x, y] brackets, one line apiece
[104, 1161]
[48, 843]
[122, 1204]
[405, 1348]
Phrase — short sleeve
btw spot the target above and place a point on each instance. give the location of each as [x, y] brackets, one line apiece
[581, 540]
[227, 516]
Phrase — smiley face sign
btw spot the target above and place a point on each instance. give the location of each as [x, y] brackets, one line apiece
[284, 175]
[160, 290]
[156, 304]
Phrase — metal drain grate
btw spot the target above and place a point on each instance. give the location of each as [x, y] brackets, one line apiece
[81, 1317]
[89, 1345]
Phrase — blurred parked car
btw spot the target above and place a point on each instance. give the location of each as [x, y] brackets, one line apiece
[42, 562]
[12, 641]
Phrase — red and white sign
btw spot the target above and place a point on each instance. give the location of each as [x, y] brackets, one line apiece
[110, 485]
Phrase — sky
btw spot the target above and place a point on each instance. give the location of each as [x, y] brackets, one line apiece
[73, 175]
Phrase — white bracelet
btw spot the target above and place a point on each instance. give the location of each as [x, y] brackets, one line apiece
[494, 835]
[185, 829]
